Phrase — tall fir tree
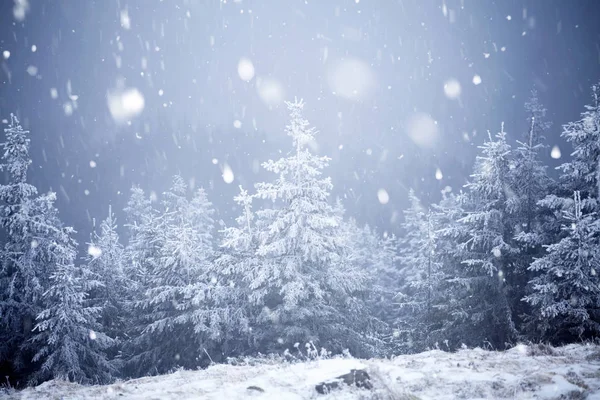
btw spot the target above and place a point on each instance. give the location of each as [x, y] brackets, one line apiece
[106, 259]
[141, 254]
[377, 256]
[489, 253]
[234, 268]
[423, 278]
[305, 283]
[567, 292]
[452, 236]
[20, 275]
[386, 279]
[177, 326]
[582, 172]
[29, 222]
[70, 343]
[141, 248]
[533, 223]
[580, 175]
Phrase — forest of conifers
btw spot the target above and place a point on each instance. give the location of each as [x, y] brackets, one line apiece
[510, 257]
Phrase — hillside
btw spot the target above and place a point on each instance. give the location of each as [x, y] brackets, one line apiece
[570, 372]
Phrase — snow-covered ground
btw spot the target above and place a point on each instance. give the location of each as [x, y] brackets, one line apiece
[570, 372]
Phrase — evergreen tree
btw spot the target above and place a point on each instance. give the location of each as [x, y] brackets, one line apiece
[452, 236]
[29, 222]
[530, 183]
[143, 238]
[140, 254]
[234, 268]
[567, 292]
[423, 278]
[178, 326]
[70, 343]
[377, 256]
[20, 275]
[386, 275]
[488, 256]
[580, 175]
[305, 282]
[106, 259]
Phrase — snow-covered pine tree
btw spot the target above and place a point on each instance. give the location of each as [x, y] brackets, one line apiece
[106, 259]
[178, 328]
[530, 183]
[567, 292]
[29, 222]
[70, 343]
[582, 175]
[376, 255]
[232, 271]
[20, 275]
[451, 238]
[143, 241]
[423, 277]
[215, 314]
[386, 276]
[305, 283]
[140, 254]
[489, 253]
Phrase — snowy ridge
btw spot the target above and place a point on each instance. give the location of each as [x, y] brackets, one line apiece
[570, 372]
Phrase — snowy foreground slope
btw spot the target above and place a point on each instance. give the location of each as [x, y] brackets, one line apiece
[571, 372]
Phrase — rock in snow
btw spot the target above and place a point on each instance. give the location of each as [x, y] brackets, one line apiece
[570, 372]
[356, 377]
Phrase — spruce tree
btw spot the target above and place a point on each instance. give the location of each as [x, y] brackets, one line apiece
[143, 241]
[141, 255]
[71, 345]
[233, 270]
[20, 275]
[377, 256]
[30, 223]
[530, 183]
[488, 251]
[451, 242]
[423, 278]
[106, 259]
[305, 283]
[580, 175]
[567, 292]
[178, 325]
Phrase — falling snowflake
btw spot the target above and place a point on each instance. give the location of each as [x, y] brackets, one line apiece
[246, 69]
[383, 196]
[94, 251]
[227, 174]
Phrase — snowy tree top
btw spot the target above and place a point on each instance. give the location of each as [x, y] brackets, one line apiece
[16, 150]
[298, 127]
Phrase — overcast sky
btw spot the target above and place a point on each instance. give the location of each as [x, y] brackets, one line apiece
[122, 92]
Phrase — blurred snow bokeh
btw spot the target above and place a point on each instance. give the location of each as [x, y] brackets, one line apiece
[422, 130]
[125, 104]
[227, 174]
[452, 88]
[246, 69]
[20, 9]
[351, 78]
[270, 91]
[383, 196]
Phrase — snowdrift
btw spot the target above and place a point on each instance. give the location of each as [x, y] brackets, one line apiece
[570, 372]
